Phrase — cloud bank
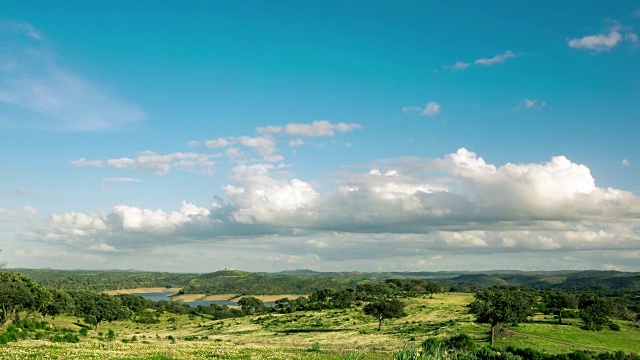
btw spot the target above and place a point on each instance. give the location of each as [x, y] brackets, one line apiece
[404, 207]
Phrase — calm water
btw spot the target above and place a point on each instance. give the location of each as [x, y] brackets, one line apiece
[165, 296]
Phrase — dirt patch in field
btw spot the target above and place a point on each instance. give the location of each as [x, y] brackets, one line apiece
[143, 291]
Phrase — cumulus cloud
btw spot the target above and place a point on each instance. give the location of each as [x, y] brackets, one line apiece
[152, 162]
[85, 162]
[55, 97]
[404, 208]
[614, 34]
[265, 144]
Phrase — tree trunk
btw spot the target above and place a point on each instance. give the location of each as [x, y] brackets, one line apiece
[493, 331]
[560, 316]
[379, 324]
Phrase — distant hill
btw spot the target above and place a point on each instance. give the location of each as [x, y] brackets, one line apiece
[304, 281]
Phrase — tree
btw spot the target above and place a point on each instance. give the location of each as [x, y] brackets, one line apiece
[385, 309]
[251, 305]
[97, 307]
[499, 304]
[560, 300]
[17, 292]
[595, 310]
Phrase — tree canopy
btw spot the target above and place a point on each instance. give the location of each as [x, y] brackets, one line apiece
[385, 309]
[499, 304]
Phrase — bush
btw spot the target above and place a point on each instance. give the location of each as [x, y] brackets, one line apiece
[614, 327]
[84, 331]
[461, 342]
[67, 338]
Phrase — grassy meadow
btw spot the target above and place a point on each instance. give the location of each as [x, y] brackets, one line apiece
[326, 334]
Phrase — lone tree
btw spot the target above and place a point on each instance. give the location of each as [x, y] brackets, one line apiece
[499, 304]
[385, 309]
[560, 300]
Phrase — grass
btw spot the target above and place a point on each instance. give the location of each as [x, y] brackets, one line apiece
[331, 333]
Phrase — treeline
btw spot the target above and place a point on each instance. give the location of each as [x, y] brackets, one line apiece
[306, 282]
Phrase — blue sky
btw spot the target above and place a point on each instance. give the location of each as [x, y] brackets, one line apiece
[353, 135]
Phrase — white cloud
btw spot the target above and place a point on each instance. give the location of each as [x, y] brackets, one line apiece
[122, 180]
[458, 66]
[316, 128]
[496, 59]
[401, 208]
[193, 143]
[56, 97]
[85, 162]
[217, 143]
[152, 162]
[600, 42]
[530, 104]
[614, 34]
[625, 162]
[266, 143]
[431, 109]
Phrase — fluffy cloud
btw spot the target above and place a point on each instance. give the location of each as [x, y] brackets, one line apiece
[158, 164]
[58, 98]
[266, 143]
[406, 208]
[607, 40]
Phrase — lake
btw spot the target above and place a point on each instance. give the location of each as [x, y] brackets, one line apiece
[165, 296]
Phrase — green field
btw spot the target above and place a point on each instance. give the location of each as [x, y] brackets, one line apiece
[334, 333]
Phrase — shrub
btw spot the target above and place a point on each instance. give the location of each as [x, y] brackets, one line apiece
[614, 327]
